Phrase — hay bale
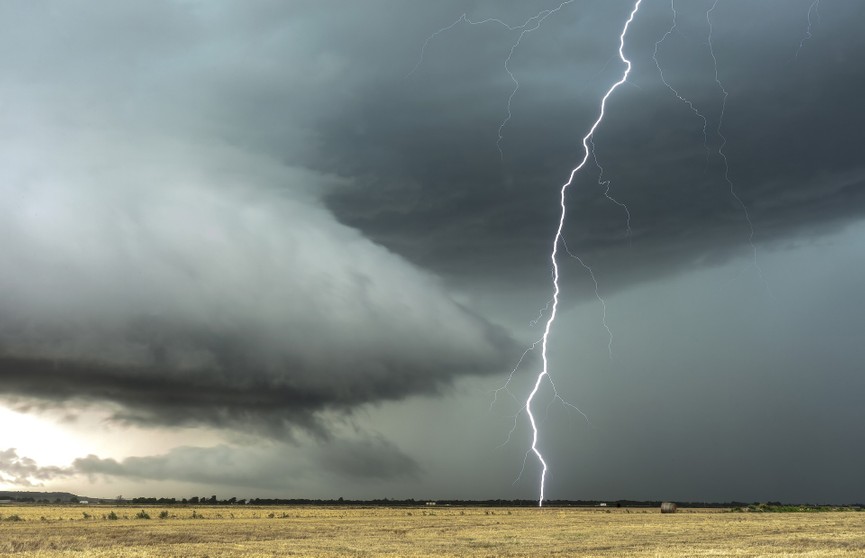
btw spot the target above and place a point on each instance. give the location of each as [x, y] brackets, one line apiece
[668, 507]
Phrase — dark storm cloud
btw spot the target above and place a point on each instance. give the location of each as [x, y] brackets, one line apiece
[160, 252]
[435, 189]
[368, 458]
[238, 214]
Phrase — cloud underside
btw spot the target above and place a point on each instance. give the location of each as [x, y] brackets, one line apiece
[153, 396]
[267, 467]
[274, 466]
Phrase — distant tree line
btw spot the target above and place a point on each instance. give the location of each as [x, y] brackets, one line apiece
[32, 500]
[43, 498]
[411, 502]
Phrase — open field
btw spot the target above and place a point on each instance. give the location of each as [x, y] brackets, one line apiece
[54, 531]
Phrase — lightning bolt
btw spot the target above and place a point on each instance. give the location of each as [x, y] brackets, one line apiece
[464, 18]
[606, 185]
[544, 373]
[693, 108]
[551, 308]
[506, 385]
[537, 320]
[538, 20]
[723, 155]
[597, 296]
[718, 131]
[529, 25]
[815, 9]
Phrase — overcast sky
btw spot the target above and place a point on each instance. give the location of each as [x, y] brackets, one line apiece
[294, 249]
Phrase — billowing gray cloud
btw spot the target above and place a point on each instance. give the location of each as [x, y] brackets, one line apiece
[23, 471]
[167, 285]
[151, 263]
[266, 466]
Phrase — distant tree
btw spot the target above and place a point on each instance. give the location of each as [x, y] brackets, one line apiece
[193, 500]
[212, 499]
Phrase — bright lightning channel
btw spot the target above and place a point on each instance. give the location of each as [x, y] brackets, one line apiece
[529, 25]
[544, 373]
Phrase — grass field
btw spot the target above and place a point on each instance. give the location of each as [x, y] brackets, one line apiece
[53, 531]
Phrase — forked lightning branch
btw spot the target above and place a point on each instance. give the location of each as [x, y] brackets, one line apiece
[558, 241]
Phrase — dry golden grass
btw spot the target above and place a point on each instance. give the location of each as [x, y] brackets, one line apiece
[440, 531]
